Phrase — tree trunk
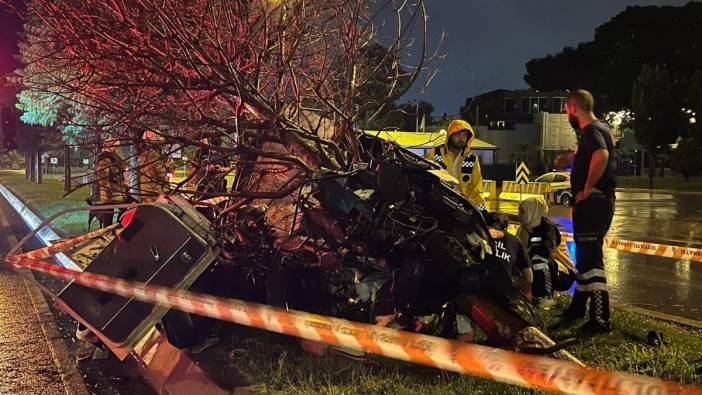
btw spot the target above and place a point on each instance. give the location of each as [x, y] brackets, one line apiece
[651, 167]
[39, 169]
[133, 172]
[32, 166]
[67, 169]
[94, 191]
[27, 165]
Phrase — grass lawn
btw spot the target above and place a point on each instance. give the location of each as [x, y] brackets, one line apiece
[670, 181]
[48, 199]
[285, 369]
[281, 367]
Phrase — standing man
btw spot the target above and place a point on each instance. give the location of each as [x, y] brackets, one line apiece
[593, 182]
[110, 180]
[153, 168]
[455, 157]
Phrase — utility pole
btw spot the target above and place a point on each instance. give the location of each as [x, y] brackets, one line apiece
[477, 115]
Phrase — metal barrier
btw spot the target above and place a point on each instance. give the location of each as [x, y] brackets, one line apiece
[489, 189]
[518, 192]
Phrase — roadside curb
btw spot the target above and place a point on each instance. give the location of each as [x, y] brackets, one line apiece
[166, 368]
[73, 380]
[32, 220]
[647, 190]
[70, 376]
[660, 316]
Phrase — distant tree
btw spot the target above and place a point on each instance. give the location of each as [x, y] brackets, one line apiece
[444, 121]
[609, 64]
[694, 104]
[657, 119]
[687, 159]
[380, 75]
[412, 114]
[534, 158]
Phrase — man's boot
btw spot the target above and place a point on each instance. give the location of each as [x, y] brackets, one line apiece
[599, 315]
[578, 306]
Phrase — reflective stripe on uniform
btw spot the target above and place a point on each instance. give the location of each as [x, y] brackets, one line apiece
[585, 237]
[590, 274]
[539, 266]
[597, 286]
[539, 258]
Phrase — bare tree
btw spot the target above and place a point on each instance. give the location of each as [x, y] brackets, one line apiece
[277, 81]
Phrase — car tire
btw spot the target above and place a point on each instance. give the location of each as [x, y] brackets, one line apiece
[566, 200]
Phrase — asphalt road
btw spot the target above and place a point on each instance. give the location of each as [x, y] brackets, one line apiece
[27, 364]
[37, 344]
[659, 284]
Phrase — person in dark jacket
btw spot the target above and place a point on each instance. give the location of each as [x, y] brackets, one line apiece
[510, 250]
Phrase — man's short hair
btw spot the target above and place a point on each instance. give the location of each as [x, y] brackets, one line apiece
[583, 99]
[498, 221]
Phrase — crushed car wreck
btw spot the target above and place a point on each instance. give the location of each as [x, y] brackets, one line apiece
[386, 242]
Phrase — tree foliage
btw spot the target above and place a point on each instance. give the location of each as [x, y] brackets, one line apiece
[281, 82]
[608, 65]
[657, 120]
[687, 158]
[694, 105]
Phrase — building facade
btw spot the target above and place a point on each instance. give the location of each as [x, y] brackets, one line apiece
[513, 120]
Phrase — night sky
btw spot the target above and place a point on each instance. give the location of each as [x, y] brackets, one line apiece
[487, 42]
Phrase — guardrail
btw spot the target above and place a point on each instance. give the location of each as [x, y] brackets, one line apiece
[518, 192]
[489, 189]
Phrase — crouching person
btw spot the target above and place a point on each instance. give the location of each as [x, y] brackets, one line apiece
[510, 250]
[542, 239]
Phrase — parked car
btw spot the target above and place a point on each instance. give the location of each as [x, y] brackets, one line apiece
[560, 185]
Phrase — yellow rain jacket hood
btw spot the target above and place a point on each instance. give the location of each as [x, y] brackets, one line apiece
[465, 167]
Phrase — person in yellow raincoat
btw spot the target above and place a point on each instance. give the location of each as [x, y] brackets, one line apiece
[456, 158]
[154, 167]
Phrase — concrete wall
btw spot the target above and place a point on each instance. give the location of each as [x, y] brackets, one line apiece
[556, 132]
[549, 132]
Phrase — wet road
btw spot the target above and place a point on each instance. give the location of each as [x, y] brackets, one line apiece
[27, 364]
[37, 344]
[653, 283]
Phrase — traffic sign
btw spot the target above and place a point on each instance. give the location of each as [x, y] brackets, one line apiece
[54, 161]
[522, 174]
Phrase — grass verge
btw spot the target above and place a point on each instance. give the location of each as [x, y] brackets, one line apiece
[670, 182]
[47, 198]
[279, 366]
[285, 369]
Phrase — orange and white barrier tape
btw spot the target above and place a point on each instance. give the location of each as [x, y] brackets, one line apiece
[639, 247]
[490, 363]
[53, 249]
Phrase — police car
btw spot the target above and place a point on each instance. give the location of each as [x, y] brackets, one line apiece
[560, 185]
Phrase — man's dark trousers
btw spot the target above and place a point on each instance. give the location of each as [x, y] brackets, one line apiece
[591, 221]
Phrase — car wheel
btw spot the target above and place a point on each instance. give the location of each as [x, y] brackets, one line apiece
[566, 200]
